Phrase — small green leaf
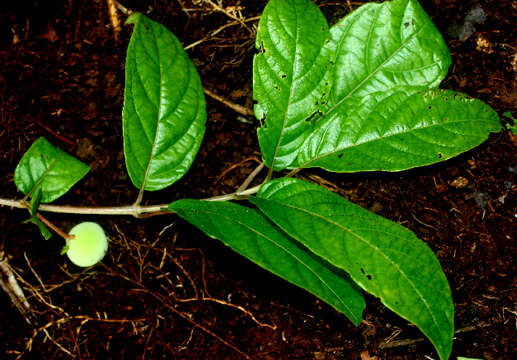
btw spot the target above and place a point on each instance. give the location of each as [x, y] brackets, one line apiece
[49, 168]
[400, 130]
[42, 228]
[164, 111]
[288, 76]
[382, 257]
[64, 250]
[250, 234]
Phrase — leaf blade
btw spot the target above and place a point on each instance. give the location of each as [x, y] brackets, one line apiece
[400, 130]
[381, 46]
[288, 76]
[379, 52]
[248, 233]
[382, 257]
[164, 111]
[48, 168]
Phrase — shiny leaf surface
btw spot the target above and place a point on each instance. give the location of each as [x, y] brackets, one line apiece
[49, 169]
[384, 258]
[288, 76]
[250, 234]
[408, 128]
[164, 108]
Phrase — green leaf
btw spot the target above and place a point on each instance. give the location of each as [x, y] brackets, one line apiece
[380, 51]
[379, 47]
[164, 111]
[250, 234]
[49, 168]
[384, 258]
[288, 76]
[42, 228]
[64, 249]
[399, 131]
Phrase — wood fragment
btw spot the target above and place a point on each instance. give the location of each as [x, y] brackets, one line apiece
[113, 15]
[14, 291]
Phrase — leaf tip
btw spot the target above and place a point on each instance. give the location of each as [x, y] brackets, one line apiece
[133, 18]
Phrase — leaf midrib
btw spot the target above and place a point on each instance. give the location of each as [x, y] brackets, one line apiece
[284, 121]
[380, 138]
[44, 175]
[376, 249]
[159, 108]
[375, 71]
[158, 117]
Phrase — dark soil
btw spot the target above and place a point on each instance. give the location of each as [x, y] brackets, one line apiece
[167, 291]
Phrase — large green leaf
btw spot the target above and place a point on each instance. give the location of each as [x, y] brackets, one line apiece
[49, 169]
[408, 128]
[380, 114]
[364, 99]
[288, 76]
[164, 108]
[379, 47]
[384, 258]
[250, 234]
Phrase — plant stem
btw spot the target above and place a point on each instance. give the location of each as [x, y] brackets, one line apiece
[105, 210]
[238, 195]
[293, 172]
[54, 228]
[137, 211]
[250, 178]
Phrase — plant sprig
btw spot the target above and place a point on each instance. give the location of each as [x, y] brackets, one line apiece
[361, 95]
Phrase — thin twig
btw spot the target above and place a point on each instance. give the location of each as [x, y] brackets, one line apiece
[238, 307]
[215, 32]
[55, 134]
[236, 107]
[250, 178]
[198, 325]
[239, 164]
[407, 342]
[230, 15]
[236, 195]
[115, 22]
[54, 228]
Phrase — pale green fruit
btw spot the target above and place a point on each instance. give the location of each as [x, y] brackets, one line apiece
[89, 245]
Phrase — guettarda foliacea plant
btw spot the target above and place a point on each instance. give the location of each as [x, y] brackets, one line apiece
[361, 95]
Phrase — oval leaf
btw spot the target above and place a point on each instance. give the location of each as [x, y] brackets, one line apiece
[250, 234]
[379, 47]
[49, 169]
[164, 111]
[384, 258]
[288, 76]
[378, 50]
[406, 129]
